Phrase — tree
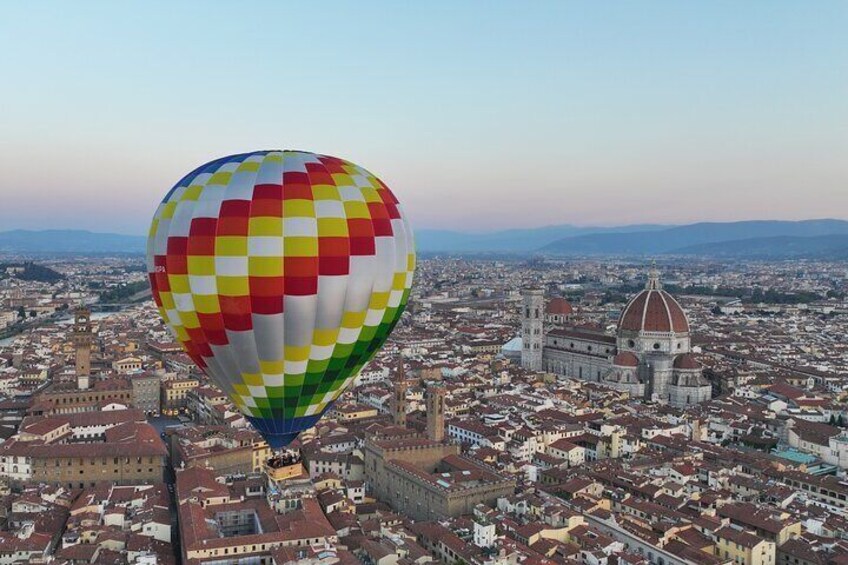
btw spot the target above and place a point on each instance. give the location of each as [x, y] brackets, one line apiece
[21, 312]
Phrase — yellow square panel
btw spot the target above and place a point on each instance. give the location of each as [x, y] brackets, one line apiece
[332, 227]
[206, 303]
[298, 208]
[265, 266]
[201, 265]
[231, 246]
[301, 247]
[356, 209]
[325, 192]
[233, 286]
[265, 225]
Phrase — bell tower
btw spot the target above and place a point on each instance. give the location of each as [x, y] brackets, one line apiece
[399, 397]
[82, 338]
[532, 318]
[436, 413]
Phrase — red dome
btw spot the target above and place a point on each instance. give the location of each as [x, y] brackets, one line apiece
[559, 307]
[686, 361]
[654, 310]
[625, 359]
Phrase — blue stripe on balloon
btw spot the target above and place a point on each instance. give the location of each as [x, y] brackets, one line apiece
[279, 433]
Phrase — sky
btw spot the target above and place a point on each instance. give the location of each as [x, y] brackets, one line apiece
[479, 115]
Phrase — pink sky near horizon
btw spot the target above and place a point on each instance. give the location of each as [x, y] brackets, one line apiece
[660, 112]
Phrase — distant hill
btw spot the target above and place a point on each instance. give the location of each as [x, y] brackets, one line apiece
[810, 238]
[69, 241]
[29, 271]
[688, 237]
[510, 241]
[779, 247]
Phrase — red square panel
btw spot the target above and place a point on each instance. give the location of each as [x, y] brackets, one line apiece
[233, 225]
[267, 304]
[333, 247]
[267, 207]
[268, 191]
[266, 286]
[301, 286]
[297, 192]
[362, 246]
[300, 267]
[203, 227]
[201, 245]
[382, 226]
[360, 227]
[333, 265]
[234, 209]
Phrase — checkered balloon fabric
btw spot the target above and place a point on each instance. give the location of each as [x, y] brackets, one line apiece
[281, 273]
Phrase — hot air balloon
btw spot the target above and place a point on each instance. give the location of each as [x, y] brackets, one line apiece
[281, 273]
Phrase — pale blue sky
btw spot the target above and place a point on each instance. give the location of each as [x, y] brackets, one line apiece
[479, 115]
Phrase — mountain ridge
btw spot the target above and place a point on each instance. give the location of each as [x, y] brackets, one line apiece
[821, 238]
[832, 246]
[686, 236]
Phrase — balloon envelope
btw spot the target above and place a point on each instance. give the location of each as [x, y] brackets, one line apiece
[281, 273]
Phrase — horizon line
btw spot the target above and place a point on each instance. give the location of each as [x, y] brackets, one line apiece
[506, 229]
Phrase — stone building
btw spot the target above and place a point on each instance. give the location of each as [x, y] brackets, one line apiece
[175, 394]
[225, 450]
[428, 480]
[145, 392]
[68, 398]
[130, 453]
[649, 356]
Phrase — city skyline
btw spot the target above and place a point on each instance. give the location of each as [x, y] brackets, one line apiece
[511, 117]
[483, 283]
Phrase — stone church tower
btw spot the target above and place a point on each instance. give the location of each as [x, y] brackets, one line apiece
[532, 334]
[399, 396]
[436, 413]
[82, 338]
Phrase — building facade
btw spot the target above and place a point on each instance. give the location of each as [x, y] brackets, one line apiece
[145, 392]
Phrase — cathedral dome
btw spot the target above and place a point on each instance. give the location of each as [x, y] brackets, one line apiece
[686, 361]
[559, 307]
[625, 359]
[654, 310]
